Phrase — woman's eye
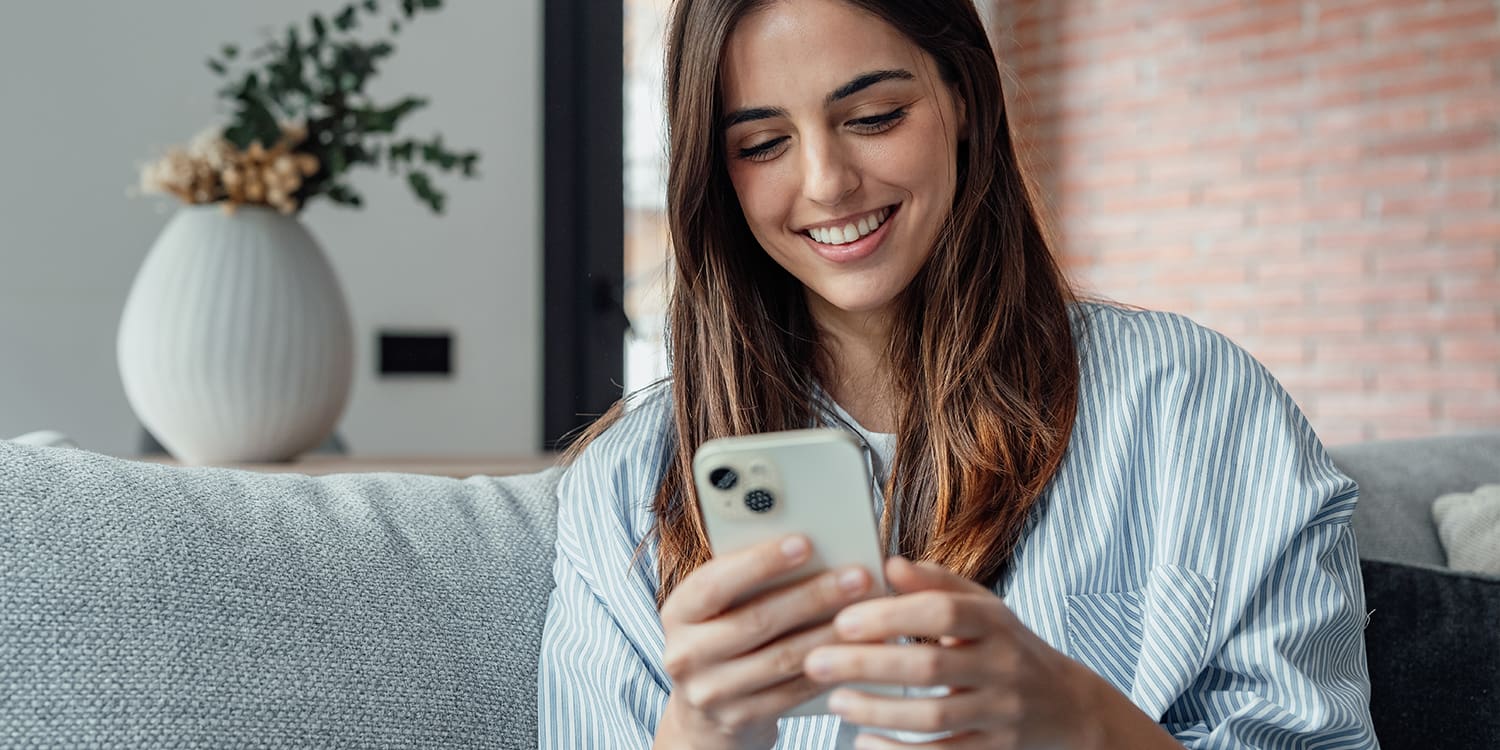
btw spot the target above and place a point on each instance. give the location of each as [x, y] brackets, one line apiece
[762, 151]
[877, 123]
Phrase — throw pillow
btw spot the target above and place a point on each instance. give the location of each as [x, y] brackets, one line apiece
[1469, 526]
[1434, 656]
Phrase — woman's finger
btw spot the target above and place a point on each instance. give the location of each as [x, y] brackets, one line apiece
[958, 712]
[718, 583]
[887, 664]
[905, 576]
[926, 614]
[770, 616]
[772, 665]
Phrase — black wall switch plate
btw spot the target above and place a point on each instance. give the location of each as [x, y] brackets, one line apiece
[414, 353]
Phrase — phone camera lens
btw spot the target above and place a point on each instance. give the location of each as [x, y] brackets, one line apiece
[759, 501]
[724, 478]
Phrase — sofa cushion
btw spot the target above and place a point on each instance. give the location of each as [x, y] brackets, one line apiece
[1434, 655]
[1468, 524]
[150, 606]
[1399, 479]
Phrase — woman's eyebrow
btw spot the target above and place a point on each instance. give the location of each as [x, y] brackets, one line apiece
[858, 84]
[866, 80]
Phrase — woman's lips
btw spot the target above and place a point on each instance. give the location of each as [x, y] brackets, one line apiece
[860, 248]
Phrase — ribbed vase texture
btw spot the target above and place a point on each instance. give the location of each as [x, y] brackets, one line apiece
[235, 344]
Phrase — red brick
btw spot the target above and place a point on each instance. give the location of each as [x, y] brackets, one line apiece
[1484, 349]
[1369, 176]
[1477, 81]
[1200, 275]
[1469, 407]
[1137, 202]
[1310, 323]
[1439, 322]
[1371, 292]
[1300, 159]
[1300, 211]
[1448, 20]
[1435, 381]
[1258, 187]
[1413, 259]
[1255, 28]
[1482, 231]
[1405, 238]
[1433, 143]
[1474, 112]
[1326, 267]
[1404, 429]
[1439, 203]
[1361, 122]
[1381, 61]
[1457, 167]
[1375, 406]
[1462, 289]
[1373, 352]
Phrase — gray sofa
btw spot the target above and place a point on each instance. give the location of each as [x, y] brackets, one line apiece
[147, 606]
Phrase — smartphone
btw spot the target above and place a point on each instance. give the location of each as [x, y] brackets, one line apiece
[816, 483]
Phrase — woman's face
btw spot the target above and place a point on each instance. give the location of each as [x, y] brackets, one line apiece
[841, 140]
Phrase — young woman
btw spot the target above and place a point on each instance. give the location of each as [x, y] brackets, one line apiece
[1109, 528]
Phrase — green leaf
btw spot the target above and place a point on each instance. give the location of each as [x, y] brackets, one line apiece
[421, 184]
[217, 66]
[345, 20]
[371, 6]
[408, 7]
[230, 51]
[395, 27]
[320, 29]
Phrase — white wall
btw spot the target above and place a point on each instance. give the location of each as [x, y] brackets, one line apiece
[89, 89]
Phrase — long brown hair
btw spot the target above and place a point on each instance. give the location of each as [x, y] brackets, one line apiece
[982, 351]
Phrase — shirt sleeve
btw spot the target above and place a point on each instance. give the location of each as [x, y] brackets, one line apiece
[1292, 673]
[600, 683]
[1260, 513]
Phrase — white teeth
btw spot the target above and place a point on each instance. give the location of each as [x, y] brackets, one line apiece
[851, 231]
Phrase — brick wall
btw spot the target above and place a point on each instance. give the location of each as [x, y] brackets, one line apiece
[1316, 179]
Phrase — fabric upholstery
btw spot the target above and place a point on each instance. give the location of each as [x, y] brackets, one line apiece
[1433, 642]
[1468, 524]
[147, 606]
[1398, 481]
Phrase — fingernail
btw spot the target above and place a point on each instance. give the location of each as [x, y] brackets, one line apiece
[794, 547]
[819, 665]
[852, 581]
[839, 702]
[847, 623]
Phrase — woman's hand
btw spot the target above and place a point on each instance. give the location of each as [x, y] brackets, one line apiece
[1007, 687]
[735, 669]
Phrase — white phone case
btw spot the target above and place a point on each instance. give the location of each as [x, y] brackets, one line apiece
[811, 482]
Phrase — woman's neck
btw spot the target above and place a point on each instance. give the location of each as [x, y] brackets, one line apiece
[858, 346]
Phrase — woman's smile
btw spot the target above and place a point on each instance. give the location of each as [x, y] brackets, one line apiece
[853, 238]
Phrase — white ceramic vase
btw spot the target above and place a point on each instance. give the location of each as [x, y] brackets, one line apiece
[235, 344]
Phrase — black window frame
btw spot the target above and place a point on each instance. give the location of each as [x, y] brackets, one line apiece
[583, 230]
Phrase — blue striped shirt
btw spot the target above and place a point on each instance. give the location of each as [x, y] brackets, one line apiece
[1194, 549]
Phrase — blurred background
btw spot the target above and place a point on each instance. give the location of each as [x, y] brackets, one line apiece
[1318, 180]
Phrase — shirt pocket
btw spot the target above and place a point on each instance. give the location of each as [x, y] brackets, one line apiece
[1149, 642]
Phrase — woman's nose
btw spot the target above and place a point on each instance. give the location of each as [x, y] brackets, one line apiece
[829, 176]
